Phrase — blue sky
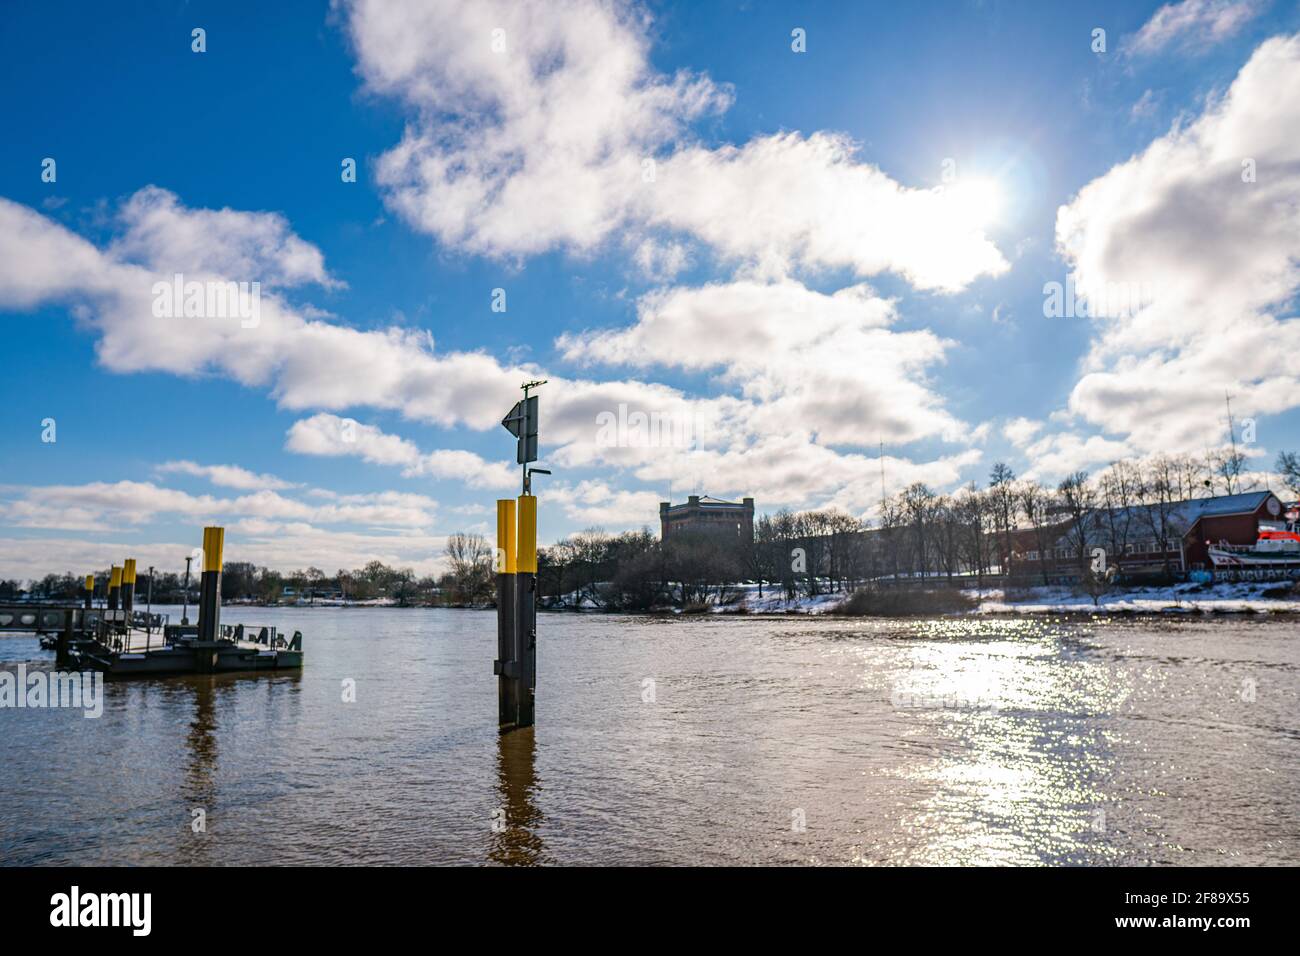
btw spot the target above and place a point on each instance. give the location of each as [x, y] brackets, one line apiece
[923, 310]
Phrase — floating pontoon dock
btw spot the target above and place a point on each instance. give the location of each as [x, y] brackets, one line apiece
[123, 642]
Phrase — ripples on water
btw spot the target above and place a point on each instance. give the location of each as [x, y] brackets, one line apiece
[701, 740]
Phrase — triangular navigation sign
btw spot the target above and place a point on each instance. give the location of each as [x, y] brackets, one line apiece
[522, 423]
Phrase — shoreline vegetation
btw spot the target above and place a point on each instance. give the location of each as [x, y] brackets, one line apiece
[1261, 598]
[911, 599]
[927, 553]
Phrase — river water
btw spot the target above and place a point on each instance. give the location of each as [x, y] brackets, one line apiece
[701, 740]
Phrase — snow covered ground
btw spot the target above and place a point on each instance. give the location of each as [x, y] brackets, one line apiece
[1187, 598]
[1235, 598]
[1239, 598]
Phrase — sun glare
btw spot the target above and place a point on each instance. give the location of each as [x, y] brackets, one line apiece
[975, 202]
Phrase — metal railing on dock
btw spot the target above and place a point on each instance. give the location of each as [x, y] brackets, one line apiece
[264, 635]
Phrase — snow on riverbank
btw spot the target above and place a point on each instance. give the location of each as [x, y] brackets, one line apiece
[1226, 598]
[1187, 598]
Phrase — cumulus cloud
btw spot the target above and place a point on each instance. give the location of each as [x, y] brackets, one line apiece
[811, 369]
[161, 234]
[305, 361]
[596, 503]
[1206, 222]
[543, 125]
[227, 476]
[1021, 431]
[286, 547]
[134, 503]
[808, 362]
[331, 435]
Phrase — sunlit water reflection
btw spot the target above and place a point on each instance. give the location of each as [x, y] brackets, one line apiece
[702, 740]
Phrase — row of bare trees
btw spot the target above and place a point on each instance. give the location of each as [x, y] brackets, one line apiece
[636, 571]
[919, 534]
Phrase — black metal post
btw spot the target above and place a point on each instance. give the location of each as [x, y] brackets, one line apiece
[185, 594]
[210, 599]
[507, 666]
[114, 583]
[128, 588]
[526, 610]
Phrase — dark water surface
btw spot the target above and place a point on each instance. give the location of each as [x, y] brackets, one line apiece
[702, 740]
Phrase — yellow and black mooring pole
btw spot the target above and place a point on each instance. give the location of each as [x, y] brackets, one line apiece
[214, 540]
[526, 609]
[114, 584]
[506, 670]
[516, 664]
[128, 587]
[90, 591]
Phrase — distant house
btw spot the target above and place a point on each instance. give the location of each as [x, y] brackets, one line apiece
[1141, 540]
[1232, 519]
[708, 515]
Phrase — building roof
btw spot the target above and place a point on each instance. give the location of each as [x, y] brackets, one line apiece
[1231, 504]
[1182, 515]
[707, 502]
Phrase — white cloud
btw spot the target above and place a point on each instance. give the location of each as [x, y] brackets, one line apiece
[1146, 106]
[1054, 456]
[809, 370]
[1193, 25]
[306, 362]
[1020, 431]
[660, 261]
[108, 504]
[161, 234]
[283, 547]
[595, 503]
[1218, 256]
[806, 362]
[330, 435]
[227, 476]
[566, 135]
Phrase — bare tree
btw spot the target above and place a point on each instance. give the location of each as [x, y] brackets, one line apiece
[1002, 503]
[974, 513]
[918, 505]
[1079, 498]
[470, 557]
[1288, 466]
[1034, 504]
[1161, 488]
[1120, 488]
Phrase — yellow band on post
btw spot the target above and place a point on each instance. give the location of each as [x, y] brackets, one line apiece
[115, 577]
[90, 582]
[505, 557]
[128, 571]
[214, 540]
[527, 534]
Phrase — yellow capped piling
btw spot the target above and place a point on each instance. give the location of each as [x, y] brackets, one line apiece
[506, 665]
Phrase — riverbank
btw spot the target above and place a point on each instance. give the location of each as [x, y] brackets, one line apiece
[1184, 598]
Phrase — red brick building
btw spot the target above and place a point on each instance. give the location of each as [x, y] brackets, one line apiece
[1142, 540]
[1233, 519]
[708, 515]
